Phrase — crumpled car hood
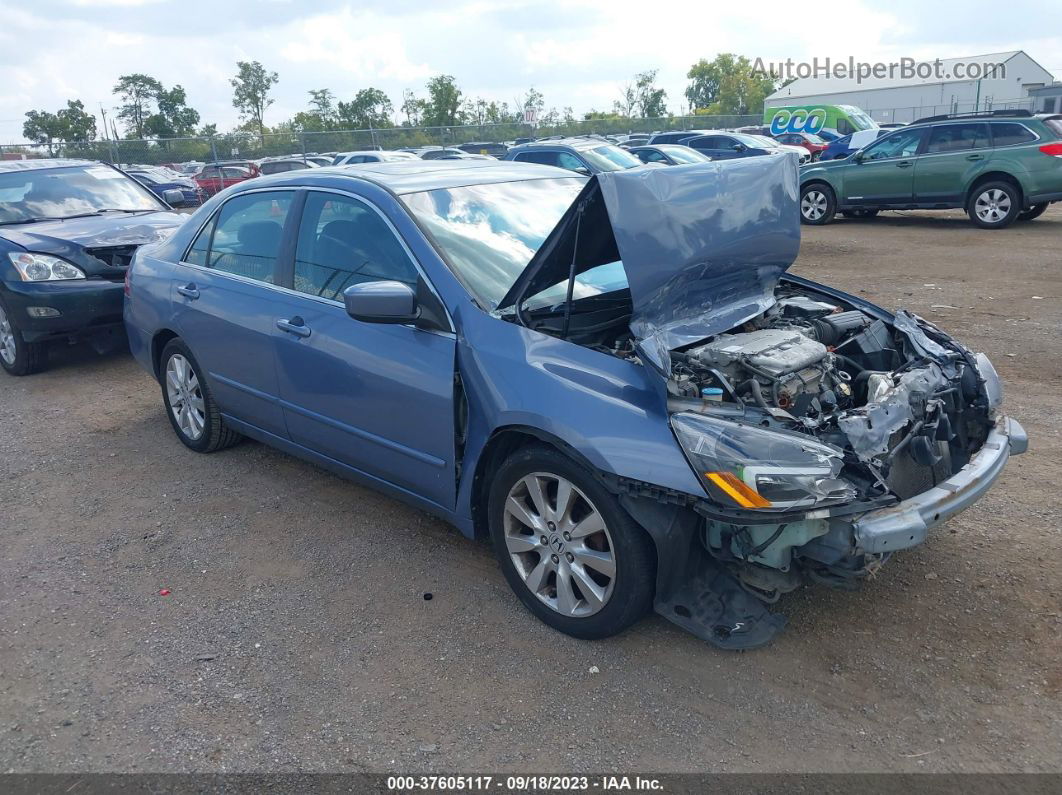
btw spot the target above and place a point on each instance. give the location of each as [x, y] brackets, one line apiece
[703, 245]
[112, 229]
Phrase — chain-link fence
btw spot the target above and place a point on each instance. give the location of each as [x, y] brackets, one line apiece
[910, 114]
[247, 146]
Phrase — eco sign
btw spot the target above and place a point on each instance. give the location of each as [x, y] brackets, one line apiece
[799, 120]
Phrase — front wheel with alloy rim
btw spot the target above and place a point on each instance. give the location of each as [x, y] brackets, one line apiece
[17, 356]
[189, 404]
[571, 553]
[993, 205]
[817, 204]
[1033, 212]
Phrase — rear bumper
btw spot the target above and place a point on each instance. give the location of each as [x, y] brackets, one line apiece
[85, 306]
[907, 523]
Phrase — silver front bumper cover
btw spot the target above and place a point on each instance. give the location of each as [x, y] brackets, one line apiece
[907, 523]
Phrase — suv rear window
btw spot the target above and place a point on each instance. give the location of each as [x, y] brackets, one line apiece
[1055, 125]
[1011, 133]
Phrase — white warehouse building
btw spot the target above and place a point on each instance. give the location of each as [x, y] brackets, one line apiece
[894, 98]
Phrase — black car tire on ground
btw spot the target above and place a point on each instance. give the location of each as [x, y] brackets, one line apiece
[629, 546]
[993, 205]
[818, 204]
[1033, 212]
[859, 213]
[29, 357]
[215, 435]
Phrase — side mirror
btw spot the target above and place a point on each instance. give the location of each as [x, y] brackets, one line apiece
[173, 197]
[857, 157]
[582, 170]
[381, 302]
[739, 147]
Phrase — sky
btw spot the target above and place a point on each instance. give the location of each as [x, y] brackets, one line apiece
[578, 53]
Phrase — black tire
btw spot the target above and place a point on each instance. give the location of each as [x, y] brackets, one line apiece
[630, 547]
[818, 205]
[215, 435]
[29, 357]
[1033, 212]
[998, 213]
[859, 213]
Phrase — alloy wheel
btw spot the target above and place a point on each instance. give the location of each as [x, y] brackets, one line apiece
[7, 339]
[185, 396]
[559, 544]
[992, 206]
[813, 205]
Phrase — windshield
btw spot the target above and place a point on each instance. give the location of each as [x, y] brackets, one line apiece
[489, 233]
[859, 119]
[811, 137]
[683, 154]
[50, 193]
[763, 140]
[610, 158]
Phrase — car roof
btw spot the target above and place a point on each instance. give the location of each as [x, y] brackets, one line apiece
[44, 162]
[413, 176]
[573, 143]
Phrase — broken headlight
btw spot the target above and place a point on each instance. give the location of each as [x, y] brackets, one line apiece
[43, 267]
[993, 386]
[761, 469]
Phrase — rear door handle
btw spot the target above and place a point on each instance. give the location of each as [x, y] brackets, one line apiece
[904, 164]
[189, 291]
[295, 325]
[975, 157]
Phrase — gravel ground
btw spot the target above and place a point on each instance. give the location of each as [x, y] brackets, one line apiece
[297, 635]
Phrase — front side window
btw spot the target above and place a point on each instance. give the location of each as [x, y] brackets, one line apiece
[903, 143]
[957, 137]
[651, 156]
[343, 241]
[683, 154]
[244, 239]
[52, 193]
[1010, 133]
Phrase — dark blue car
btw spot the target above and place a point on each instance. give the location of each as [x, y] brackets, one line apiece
[612, 378]
[159, 181]
[68, 230]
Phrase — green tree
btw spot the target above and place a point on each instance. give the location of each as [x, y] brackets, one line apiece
[250, 94]
[370, 108]
[533, 100]
[727, 85]
[412, 107]
[323, 106]
[628, 101]
[138, 93]
[71, 123]
[443, 106]
[174, 118]
[649, 99]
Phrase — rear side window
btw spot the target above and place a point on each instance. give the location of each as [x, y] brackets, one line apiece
[1011, 133]
[545, 158]
[1055, 125]
[343, 241]
[244, 238]
[957, 137]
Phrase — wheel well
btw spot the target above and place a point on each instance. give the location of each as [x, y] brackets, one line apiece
[502, 444]
[158, 342]
[821, 182]
[996, 176]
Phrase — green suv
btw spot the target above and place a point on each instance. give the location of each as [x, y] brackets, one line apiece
[999, 166]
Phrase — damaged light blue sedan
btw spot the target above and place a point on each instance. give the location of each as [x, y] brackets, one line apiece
[613, 378]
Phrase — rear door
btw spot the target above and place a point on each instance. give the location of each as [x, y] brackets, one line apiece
[955, 154]
[376, 397]
[717, 147]
[225, 303]
[885, 173]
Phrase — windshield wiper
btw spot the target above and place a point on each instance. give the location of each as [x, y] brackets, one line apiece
[29, 221]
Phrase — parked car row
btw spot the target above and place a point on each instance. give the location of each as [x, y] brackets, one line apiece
[516, 348]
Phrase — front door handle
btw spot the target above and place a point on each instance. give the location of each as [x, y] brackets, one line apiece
[975, 157]
[189, 291]
[295, 325]
[904, 164]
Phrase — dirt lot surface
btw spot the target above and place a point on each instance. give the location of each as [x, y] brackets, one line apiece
[297, 636]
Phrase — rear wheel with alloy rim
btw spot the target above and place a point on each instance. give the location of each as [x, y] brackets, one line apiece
[17, 356]
[567, 547]
[1033, 212]
[189, 405]
[993, 205]
[817, 204]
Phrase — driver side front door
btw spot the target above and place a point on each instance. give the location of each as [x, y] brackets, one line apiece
[884, 174]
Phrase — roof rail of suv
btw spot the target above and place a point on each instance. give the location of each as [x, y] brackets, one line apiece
[980, 114]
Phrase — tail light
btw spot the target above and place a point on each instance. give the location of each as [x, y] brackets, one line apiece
[1055, 150]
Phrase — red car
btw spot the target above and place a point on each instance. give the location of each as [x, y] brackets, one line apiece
[809, 141]
[216, 177]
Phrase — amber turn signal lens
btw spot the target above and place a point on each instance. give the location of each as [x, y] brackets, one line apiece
[737, 490]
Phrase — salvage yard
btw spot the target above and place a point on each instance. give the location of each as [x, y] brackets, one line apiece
[245, 611]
